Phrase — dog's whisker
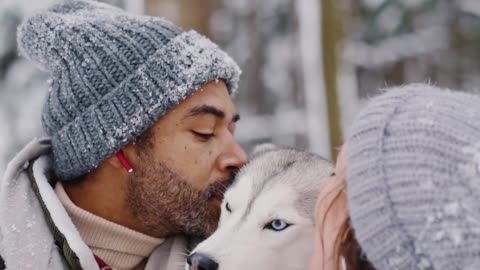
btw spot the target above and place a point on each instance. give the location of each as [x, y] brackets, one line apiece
[182, 253]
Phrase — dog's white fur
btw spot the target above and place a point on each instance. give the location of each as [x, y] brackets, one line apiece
[277, 184]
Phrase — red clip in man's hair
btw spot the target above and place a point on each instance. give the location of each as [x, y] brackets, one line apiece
[124, 161]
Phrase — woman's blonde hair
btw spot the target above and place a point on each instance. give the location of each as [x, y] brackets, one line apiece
[347, 249]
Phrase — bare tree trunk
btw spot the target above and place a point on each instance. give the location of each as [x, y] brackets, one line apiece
[310, 40]
[188, 14]
[195, 14]
[330, 35]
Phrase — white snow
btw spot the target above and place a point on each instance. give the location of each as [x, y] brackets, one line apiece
[349, 102]
[135, 6]
[373, 4]
[282, 124]
[312, 70]
[425, 41]
[23, 88]
[470, 6]
[26, 7]
[389, 19]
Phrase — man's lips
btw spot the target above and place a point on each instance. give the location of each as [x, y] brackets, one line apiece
[217, 190]
[218, 197]
[217, 193]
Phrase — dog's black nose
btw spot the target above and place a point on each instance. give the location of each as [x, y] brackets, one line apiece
[201, 262]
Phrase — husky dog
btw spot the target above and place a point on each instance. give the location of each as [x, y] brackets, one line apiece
[267, 217]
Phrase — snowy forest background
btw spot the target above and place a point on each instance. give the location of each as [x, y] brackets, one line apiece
[308, 65]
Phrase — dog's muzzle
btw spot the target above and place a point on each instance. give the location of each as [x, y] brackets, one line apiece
[198, 261]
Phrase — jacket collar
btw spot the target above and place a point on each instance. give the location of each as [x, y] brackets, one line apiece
[42, 226]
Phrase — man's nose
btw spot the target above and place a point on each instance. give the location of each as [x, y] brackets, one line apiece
[233, 158]
[198, 261]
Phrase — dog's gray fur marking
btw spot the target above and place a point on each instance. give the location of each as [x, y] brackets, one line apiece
[275, 164]
[260, 185]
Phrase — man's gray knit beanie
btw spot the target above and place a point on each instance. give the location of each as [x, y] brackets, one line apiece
[113, 75]
[413, 179]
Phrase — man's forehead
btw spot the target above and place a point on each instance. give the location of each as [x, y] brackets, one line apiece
[212, 98]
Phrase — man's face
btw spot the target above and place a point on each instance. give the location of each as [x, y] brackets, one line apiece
[184, 165]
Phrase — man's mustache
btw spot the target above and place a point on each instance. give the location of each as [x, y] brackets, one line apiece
[218, 188]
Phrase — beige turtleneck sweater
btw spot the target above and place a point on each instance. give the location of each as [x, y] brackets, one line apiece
[120, 247]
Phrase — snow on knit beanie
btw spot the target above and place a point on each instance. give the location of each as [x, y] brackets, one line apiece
[413, 179]
[113, 75]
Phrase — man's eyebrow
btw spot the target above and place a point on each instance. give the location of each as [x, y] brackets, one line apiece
[208, 109]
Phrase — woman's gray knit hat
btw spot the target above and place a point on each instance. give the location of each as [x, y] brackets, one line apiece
[413, 179]
[113, 75]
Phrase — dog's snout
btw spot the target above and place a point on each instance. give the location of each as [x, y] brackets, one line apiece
[201, 262]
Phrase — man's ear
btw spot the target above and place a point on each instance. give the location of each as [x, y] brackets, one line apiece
[263, 148]
[124, 158]
[114, 162]
[128, 153]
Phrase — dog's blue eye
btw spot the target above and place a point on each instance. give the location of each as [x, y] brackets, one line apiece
[277, 225]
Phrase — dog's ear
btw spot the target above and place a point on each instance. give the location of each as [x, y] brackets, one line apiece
[263, 148]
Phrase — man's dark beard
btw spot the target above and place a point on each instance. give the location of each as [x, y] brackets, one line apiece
[165, 204]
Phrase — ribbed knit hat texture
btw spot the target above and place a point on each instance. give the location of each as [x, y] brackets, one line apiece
[113, 75]
[413, 179]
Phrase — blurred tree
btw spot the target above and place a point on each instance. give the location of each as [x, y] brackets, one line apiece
[196, 14]
[262, 37]
[22, 85]
[189, 14]
[331, 35]
[397, 41]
